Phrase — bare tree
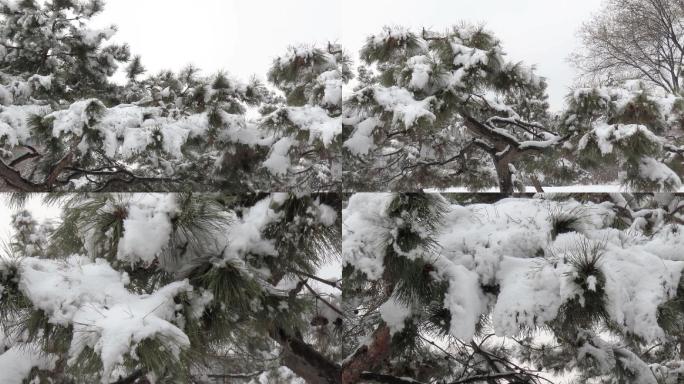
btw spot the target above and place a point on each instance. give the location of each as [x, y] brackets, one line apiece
[634, 40]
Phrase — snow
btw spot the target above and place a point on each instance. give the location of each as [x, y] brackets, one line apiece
[530, 294]
[608, 134]
[93, 37]
[399, 33]
[361, 140]
[283, 373]
[278, 161]
[14, 125]
[402, 105]
[326, 214]
[93, 298]
[44, 82]
[75, 118]
[121, 121]
[421, 70]
[653, 170]
[636, 284]
[147, 227]
[363, 232]
[332, 83]
[394, 314]
[317, 121]
[17, 362]
[510, 244]
[463, 299]
[10, 4]
[127, 130]
[239, 130]
[467, 57]
[245, 235]
[579, 188]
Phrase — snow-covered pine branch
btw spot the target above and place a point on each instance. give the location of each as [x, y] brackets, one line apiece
[457, 286]
[172, 287]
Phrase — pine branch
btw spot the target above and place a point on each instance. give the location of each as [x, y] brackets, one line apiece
[304, 360]
[14, 179]
[335, 309]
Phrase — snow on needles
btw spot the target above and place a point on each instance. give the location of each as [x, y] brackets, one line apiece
[107, 317]
[511, 244]
[147, 228]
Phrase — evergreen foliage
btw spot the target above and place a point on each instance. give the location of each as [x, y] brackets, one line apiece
[172, 287]
[532, 290]
[64, 125]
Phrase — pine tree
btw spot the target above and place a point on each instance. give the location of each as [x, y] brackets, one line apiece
[630, 127]
[445, 109]
[174, 288]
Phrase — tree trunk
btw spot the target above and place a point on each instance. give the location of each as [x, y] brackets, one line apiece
[505, 177]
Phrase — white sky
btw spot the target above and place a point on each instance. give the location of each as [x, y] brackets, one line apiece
[239, 36]
[243, 36]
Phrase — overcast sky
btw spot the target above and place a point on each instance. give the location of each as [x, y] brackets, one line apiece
[243, 36]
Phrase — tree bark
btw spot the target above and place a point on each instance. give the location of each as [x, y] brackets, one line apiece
[368, 356]
[305, 361]
[14, 179]
[503, 173]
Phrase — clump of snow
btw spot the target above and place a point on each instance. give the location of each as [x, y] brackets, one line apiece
[317, 121]
[361, 140]
[147, 228]
[76, 117]
[14, 122]
[467, 57]
[403, 106]
[363, 232]
[245, 236]
[326, 214]
[394, 314]
[608, 134]
[463, 299]
[332, 87]
[393, 33]
[17, 362]
[421, 71]
[653, 170]
[530, 294]
[93, 298]
[93, 37]
[512, 244]
[278, 161]
[44, 82]
[122, 121]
